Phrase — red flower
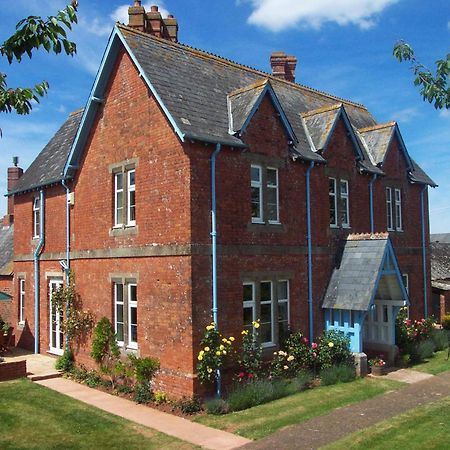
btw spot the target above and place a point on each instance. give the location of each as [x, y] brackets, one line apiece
[314, 345]
[250, 375]
[305, 340]
[241, 375]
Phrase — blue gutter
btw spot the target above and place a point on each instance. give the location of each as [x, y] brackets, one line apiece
[424, 252]
[63, 182]
[36, 255]
[308, 223]
[215, 308]
[372, 226]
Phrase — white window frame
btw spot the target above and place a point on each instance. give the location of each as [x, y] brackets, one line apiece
[277, 197]
[389, 210]
[250, 303]
[344, 197]
[122, 305]
[132, 305]
[131, 188]
[283, 300]
[258, 185]
[36, 217]
[398, 209]
[333, 199]
[270, 302]
[118, 217]
[21, 301]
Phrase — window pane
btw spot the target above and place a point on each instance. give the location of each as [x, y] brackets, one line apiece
[265, 331]
[282, 290]
[133, 293]
[256, 174]
[132, 206]
[256, 202]
[332, 186]
[119, 292]
[247, 292]
[344, 187]
[385, 314]
[343, 209]
[119, 181]
[131, 177]
[272, 213]
[282, 311]
[266, 291]
[119, 313]
[119, 332]
[272, 177]
[248, 316]
[133, 330]
[133, 315]
[266, 313]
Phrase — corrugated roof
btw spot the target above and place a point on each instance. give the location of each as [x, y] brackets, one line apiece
[440, 261]
[6, 250]
[48, 166]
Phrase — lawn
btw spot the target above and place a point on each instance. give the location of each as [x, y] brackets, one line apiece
[436, 364]
[426, 427]
[34, 417]
[260, 421]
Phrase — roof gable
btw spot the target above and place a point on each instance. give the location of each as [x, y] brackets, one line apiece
[243, 104]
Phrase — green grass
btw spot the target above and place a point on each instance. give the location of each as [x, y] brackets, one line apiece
[436, 364]
[33, 417]
[260, 421]
[426, 427]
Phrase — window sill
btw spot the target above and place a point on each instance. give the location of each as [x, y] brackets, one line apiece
[266, 227]
[124, 231]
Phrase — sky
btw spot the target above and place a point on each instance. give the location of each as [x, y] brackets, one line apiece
[344, 47]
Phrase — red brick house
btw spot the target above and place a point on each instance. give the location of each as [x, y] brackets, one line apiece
[190, 183]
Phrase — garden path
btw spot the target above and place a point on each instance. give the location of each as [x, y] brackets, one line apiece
[330, 427]
[183, 429]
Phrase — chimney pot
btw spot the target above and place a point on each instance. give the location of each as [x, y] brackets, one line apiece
[14, 173]
[283, 66]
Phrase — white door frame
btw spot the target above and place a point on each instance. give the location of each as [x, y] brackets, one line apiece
[56, 337]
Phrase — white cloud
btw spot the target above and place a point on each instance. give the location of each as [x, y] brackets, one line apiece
[279, 15]
[405, 115]
[120, 14]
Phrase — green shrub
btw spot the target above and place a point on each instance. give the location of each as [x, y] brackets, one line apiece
[440, 339]
[421, 350]
[250, 360]
[124, 389]
[257, 392]
[159, 397]
[104, 344]
[216, 406]
[188, 405]
[93, 379]
[302, 381]
[445, 322]
[333, 348]
[65, 361]
[143, 392]
[412, 331]
[144, 368]
[341, 373]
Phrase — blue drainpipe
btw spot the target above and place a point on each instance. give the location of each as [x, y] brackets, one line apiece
[214, 256]
[424, 252]
[36, 255]
[67, 269]
[372, 226]
[308, 224]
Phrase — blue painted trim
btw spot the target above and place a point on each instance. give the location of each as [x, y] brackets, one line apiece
[398, 272]
[66, 187]
[372, 225]
[424, 252]
[309, 240]
[215, 309]
[268, 89]
[36, 256]
[97, 91]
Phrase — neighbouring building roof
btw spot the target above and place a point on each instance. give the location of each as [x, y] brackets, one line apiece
[48, 167]
[6, 250]
[443, 238]
[209, 99]
[356, 275]
[440, 262]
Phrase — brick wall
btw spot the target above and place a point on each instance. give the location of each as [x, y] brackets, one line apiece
[13, 370]
[6, 305]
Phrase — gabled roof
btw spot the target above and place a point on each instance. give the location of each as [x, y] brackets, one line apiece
[6, 250]
[48, 166]
[357, 274]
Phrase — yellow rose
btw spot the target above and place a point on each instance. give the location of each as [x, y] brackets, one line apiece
[224, 352]
[210, 327]
[221, 347]
[201, 352]
[209, 369]
[206, 349]
[285, 367]
[224, 340]
[231, 338]
[290, 358]
[199, 357]
[218, 353]
[244, 332]
[255, 324]
[330, 344]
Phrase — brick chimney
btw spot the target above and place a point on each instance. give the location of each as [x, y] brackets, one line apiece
[14, 173]
[283, 66]
[152, 22]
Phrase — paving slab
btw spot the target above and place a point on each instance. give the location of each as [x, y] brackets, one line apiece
[333, 426]
[408, 376]
[183, 429]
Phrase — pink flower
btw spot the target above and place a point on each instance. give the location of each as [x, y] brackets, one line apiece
[314, 345]
[241, 375]
[250, 375]
[314, 355]
[305, 340]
